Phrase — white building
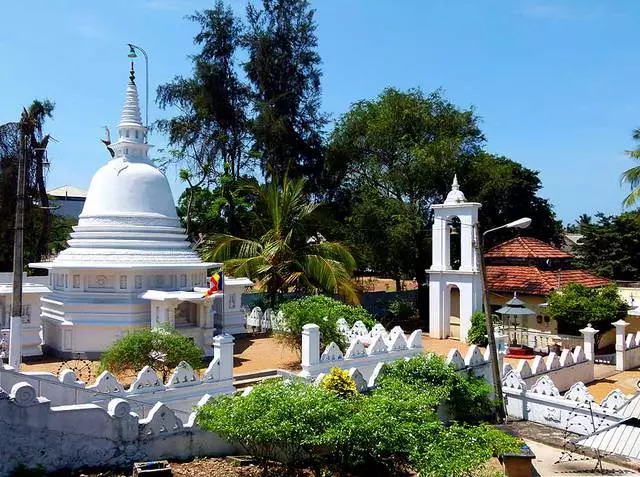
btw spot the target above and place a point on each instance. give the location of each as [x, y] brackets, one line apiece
[447, 283]
[33, 288]
[67, 200]
[129, 264]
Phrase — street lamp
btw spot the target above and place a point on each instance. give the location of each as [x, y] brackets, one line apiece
[495, 368]
[132, 54]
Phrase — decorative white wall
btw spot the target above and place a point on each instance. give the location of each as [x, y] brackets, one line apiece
[575, 412]
[181, 392]
[35, 433]
[381, 347]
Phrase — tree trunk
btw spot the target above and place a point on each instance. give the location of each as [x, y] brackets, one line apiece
[398, 282]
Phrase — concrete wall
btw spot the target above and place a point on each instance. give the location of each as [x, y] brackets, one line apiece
[34, 433]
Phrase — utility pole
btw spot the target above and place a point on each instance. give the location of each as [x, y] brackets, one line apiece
[495, 365]
[15, 336]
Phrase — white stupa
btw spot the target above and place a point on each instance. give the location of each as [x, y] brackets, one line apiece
[129, 263]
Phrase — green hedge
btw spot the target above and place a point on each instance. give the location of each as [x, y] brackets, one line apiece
[324, 312]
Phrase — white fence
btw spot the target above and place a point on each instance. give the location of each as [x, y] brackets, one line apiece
[181, 392]
[564, 370]
[257, 320]
[575, 412]
[364, 352]
[86, 435]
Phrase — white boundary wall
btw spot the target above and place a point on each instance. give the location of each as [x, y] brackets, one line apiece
[181, 392]
[382, 347]
[576, 411]
[86, 435]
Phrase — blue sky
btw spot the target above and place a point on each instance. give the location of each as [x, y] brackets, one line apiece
[554, 82]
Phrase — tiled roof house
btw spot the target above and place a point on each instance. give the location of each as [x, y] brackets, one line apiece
[532, 267]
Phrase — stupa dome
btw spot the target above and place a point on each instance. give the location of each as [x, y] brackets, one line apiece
[123, 189]
[129, 217]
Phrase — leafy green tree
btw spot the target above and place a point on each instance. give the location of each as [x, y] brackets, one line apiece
[574, 306]
[160, 348]
[61, 227]
[610, 247]
[405, 146]
[398, 154]
[632, 175]
[225, 208]
[283, 69]
[285, 255]
[509, 191]
[277, 420]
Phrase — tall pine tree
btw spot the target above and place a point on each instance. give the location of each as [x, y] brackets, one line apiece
[283, 68]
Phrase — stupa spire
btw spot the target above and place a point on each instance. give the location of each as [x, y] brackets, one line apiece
[131, 110]
[131, 145]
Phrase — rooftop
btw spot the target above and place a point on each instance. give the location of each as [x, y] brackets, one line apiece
[533, 281]
[68, 191]
[526, 247]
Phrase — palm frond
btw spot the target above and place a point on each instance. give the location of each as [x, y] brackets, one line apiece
[338, 252]
[222, 247]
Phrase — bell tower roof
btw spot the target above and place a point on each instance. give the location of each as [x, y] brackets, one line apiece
[455, 196]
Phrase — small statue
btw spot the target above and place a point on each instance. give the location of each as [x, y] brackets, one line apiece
[107, 142]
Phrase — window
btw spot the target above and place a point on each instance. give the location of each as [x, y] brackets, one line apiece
[183, 280]
[136, 134]
[138, 283]
[76, 281]
[123, 282]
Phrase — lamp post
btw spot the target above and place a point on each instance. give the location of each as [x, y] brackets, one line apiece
[495, 368]
[132, 54]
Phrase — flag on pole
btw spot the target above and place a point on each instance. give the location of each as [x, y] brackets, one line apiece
[216, 283]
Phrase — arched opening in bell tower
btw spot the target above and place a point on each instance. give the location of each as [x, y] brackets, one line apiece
[452, 311]
[454, 237]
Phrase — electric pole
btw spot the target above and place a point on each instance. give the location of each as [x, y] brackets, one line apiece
[15, 336]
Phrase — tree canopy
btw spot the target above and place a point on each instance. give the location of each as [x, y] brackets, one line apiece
[610, 246]
[574, 306]
[391, 158]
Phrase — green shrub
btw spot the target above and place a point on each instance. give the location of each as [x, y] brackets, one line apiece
[339, 383]
[288, 421]
[465, 397]
[400, 311]
[478, 331]
[161, 348]
[393, 430]
[324, 312]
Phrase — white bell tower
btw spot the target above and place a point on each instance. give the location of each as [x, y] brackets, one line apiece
[442, 277]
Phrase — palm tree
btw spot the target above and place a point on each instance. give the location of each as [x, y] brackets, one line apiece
[632, 176]
[285, 257]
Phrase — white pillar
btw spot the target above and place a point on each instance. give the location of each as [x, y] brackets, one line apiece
[310, 345]
[223, 350]
[15, 342]
[620, 343]
[588, 333]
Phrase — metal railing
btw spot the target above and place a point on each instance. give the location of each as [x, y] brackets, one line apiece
[541, 341]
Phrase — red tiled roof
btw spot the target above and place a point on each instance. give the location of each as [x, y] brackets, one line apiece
[526, 247]
[533, 281]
